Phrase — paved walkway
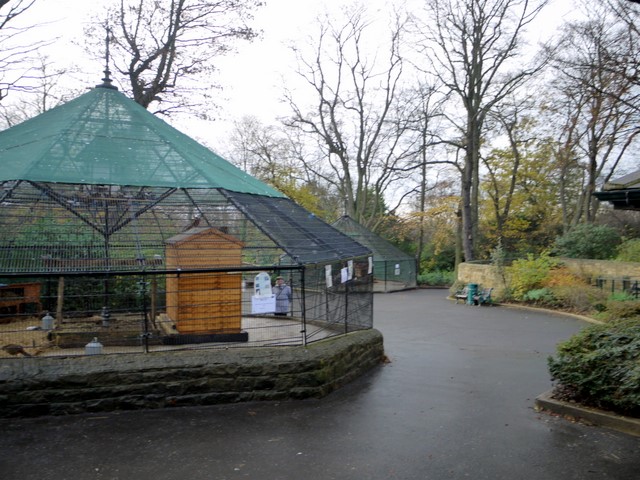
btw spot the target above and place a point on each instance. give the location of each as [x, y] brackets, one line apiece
[456, 402]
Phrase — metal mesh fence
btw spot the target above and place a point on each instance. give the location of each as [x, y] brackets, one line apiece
[48, 227]
[394, 270]
[164, 268]
[147, 311]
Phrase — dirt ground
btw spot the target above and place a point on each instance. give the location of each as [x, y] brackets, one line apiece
[25, 331]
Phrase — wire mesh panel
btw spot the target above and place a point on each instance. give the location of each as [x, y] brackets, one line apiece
[338, 298]
[394, 269]
[394, 274]
[141, 268]
[65, 315]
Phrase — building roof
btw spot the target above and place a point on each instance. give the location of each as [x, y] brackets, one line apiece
[203, 234]
[305, 237]
[104, 138]
[623, 192]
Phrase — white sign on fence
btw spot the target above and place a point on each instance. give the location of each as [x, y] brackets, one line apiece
[263, 304]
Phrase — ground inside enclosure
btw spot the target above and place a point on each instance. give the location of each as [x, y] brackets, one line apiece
[123, 335]
[455, 402]
[123, 332]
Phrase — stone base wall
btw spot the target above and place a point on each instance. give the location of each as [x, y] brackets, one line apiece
[603, 268]
[485, 275]
[66, 385]
[488, 275]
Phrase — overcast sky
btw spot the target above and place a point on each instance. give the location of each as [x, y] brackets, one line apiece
[252, 77]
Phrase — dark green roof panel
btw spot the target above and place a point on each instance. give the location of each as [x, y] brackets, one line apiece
[382, 249]
[102, 137]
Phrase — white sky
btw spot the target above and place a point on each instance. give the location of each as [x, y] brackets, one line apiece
[252, 77]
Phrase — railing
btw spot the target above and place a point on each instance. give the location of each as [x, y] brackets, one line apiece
[618, 285]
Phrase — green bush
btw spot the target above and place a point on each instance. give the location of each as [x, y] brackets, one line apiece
[629, 251]
[584, 299]
[600, 367]
[620, 297]
[437, 278]
[539, 295]
[529, 273]
[618, 309]
[588, 241]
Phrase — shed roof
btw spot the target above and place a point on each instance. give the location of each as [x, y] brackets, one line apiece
[104, 138]
[203, 234]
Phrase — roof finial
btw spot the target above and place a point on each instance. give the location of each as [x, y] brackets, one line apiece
[106, 81]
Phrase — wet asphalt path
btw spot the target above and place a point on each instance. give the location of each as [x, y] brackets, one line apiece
[456, 402]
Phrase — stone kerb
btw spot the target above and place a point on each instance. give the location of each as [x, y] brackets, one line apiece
[64, 385]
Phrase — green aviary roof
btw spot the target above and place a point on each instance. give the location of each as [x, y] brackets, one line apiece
[382, 249]
[104, 138]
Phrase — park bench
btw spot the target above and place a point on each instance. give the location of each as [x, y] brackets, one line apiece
[461, 295]
[483, 296]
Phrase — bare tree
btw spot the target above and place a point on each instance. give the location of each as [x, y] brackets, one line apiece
[475, 48]
[356, 121]
[261, 150]
[427, 112]
[592, 64]
[45, 92]
[270, 153]
[16, 47]
[167, 50]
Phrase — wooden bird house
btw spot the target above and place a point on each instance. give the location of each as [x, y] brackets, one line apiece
[204, 303]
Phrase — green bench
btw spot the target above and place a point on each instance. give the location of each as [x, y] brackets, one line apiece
[481, 297]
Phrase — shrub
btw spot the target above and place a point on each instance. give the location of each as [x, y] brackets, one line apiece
[571, 292]
[561, 276]
[620, 297]
[540, 295]
[439, 278]
[600, 367]
[529, 274]
[629, 251]
[620, 309]
[588, 241]
[583, 299]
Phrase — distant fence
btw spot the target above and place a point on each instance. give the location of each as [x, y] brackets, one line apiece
[618, 285]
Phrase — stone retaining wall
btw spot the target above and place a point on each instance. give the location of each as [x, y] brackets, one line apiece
[488, 275]
[64, 385]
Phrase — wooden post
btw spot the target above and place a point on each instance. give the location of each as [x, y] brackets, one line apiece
[60, 300]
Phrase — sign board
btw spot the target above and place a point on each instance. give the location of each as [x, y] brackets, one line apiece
[344, 275]
[262, 285]
[263, 304]
[328, 276]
